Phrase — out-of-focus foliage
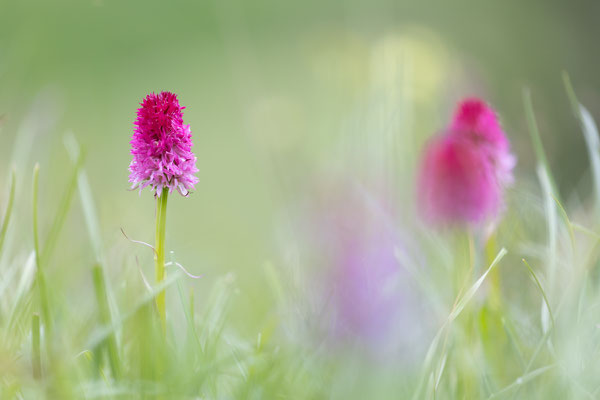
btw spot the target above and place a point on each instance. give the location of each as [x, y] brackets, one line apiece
[308, 120]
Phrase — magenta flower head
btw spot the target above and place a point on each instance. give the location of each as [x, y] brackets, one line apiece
[477, 121]
[162, 147]
[464, 171]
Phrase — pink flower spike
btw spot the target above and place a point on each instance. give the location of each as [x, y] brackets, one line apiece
[457, 183]
[477, 121]
[162, 147]
[464, 171]
[475, 118]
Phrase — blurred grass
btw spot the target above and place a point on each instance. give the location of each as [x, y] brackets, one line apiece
[279, 95]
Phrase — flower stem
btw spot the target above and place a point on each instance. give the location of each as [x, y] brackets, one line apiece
[159, 256]
[495, 296]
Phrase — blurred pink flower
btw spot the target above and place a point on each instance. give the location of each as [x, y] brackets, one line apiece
[477, 121]
[161, 147]
[464, 171]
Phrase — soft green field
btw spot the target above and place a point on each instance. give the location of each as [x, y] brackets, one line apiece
[302, 113]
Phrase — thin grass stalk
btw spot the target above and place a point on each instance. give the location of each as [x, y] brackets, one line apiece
[590, 134]
[61, 214]
[536, 139]
[105, 319]
[36, 357]
[541, 288]
[8, 213]
[40, 278]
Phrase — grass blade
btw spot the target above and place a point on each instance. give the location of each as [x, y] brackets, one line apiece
[539, 285]
[188, 311]
[8, 213]
[550, 210]
[508, 328]
[460, 305]
[36, 358]
[86, 198]
[457, 309]
[567, 221]
[103, 333]
[60, 215]
[40, 277]
[590, 134]
[536, 139]
[88, 205]
[523, 379]
[105, 319]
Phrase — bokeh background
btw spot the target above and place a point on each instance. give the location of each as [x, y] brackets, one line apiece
[273, 90]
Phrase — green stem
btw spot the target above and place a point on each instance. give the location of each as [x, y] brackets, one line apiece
[464, 272]
[495, 296]
[159, 256]
[463, 263]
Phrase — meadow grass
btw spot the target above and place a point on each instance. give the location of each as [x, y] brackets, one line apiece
[516, 318]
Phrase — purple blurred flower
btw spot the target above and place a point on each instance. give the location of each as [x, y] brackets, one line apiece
[464, 170]
[365, 278]
[161, 147]
[359, 240]
[356, 294]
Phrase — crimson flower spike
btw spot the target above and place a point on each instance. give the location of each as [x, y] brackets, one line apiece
[465, 170]
[162, 160]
